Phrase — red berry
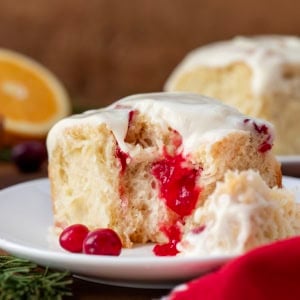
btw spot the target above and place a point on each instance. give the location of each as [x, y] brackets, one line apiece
[29, 156]
[72, 237]
[102, 242]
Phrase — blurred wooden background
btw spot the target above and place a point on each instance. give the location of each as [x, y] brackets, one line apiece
[106, 49]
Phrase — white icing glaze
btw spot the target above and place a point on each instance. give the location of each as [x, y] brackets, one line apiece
[266, 56]
[199, 120]
[115, 119]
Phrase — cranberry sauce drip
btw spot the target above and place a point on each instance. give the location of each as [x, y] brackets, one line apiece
[178, 183]
[173, 234]
[263, 129]
[122, 156]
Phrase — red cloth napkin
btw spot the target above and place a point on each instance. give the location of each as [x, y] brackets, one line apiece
[267, 272]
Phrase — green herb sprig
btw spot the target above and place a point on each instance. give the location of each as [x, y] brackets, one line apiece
[21, 279]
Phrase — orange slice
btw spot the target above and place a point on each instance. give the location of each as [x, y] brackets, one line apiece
[31, 98]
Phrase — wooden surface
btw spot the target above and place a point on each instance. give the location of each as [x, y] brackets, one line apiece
[82, 290]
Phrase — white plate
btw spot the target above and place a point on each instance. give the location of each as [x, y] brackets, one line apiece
[25, 218]
[290, 165]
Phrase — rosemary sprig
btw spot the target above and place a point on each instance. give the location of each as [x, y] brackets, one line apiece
[21, 279]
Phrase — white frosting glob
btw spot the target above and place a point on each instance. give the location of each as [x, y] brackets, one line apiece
[265, 55]
[198, 119]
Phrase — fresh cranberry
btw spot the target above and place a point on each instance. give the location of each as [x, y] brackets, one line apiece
[72, 237]
[29, 156]
[102, 242]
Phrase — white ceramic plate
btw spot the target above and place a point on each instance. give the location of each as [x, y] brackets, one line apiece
[25, 218]
[290, 165]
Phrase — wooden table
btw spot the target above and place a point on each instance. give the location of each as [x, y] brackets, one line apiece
[9, 175]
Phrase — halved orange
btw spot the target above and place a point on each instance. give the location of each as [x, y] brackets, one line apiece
[32, 99]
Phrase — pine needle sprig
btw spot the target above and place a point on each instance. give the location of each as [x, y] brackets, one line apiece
[21, 279]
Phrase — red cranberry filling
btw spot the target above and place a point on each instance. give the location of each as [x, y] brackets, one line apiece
[173, 233]
[178, 188]
[177, 183]
[130, 117]
[122, 156]
[262, 129]
[264, 146]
